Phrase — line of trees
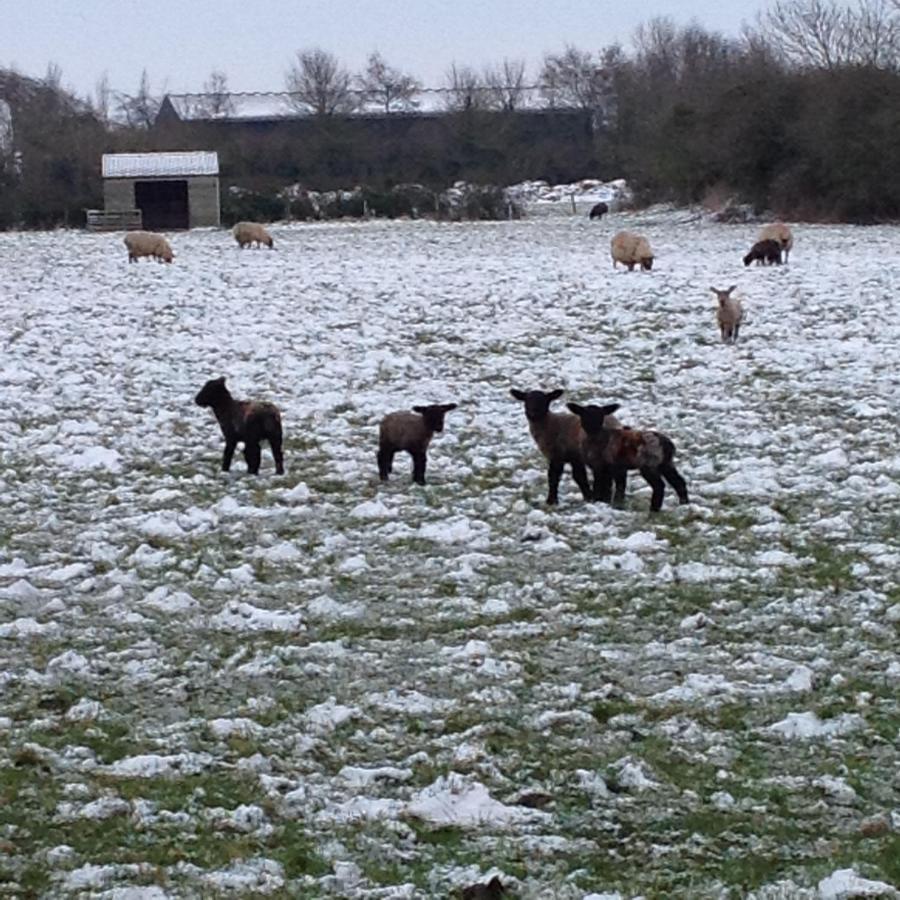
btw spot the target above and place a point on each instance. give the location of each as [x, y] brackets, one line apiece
[799, 114]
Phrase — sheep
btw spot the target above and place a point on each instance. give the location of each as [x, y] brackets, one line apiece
[558, 437]
[778, 232]
[729, 314]
[598, 210]
[250, 421]
[766, 252]
[631, 249]
[611, 452]
[412, 432]
[493, 890]
[246, 233]
[148, 243]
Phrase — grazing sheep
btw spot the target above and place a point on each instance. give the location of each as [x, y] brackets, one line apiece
[598, 210]
[412, 432]
[493, 890]
[729, 314]
[558, 437]
[611, 452]
[631, 249]
[148, 243]
[247, 233]
[250, 421]
[765, 253]
[778, 232]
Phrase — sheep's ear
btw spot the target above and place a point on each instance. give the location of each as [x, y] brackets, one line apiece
[420, 409]
[609, 409]
[714, 290]
[220, 380]
[448, 406]
[555, 395]
[519, 395]
[733, 287]
[578, 410]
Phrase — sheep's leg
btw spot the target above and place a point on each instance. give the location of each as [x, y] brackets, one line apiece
[385, 463]
[252, 456]
[653, 478]
[228, 454]
[554, 473]
[620, 476]
[277, 455]
[734, 333]
[602, 485]
[580, 477]
[419, 467]
[672, 475]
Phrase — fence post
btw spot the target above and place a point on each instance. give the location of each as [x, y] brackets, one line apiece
[572, 198]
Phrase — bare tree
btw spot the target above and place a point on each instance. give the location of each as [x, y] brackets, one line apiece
[506, 84]
[824, 34]
[217, 99]
[139, 110]
[464, 89]
[574, 78]
[389, 88]
[318, 83]
[101, 102]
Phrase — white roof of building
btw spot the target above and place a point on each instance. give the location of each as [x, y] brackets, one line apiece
[160, 165]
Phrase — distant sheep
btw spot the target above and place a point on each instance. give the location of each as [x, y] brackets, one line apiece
[493, 890]
[148, 243]
[598, 210]
[765, 253]
[247, 233]
[778, 232]
[250, 421]
[611, 452]
[558, 436]
[729, 314]
[631, 250]
[412, 432]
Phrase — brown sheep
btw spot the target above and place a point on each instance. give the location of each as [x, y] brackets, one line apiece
[778, 232]
[765, 253]
[250, 421]
[631, 250]
[611, 452]
[412, 432]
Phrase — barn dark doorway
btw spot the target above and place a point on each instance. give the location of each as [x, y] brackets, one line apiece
[164, 204]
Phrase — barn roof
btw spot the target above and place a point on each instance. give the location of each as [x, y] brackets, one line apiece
[160, 165]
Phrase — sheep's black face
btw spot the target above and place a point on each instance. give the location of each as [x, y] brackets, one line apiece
[211, 392]
[591, 416]
[647, 263]
[537, 403]
[434, 414]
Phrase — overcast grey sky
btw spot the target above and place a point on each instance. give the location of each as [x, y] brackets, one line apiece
[180, 43]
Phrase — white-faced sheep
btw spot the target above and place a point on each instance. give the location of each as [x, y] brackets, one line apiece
[412, 432]
[728, 314]
[778, 232]
[250, 421]
[611, 452]
[631, 250]
[558, 437]
[148, 243]
[248, 233]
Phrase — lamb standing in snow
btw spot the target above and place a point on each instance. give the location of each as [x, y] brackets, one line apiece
[631, 250]
[767, 252]
[250, 421]
[729, 314]
[412, 432]
[599, 210]
[247, 233]
[558, 437]
[148, 243]
[611, 452]
[778, 232]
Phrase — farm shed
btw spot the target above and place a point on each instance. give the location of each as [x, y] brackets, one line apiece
[172, 190]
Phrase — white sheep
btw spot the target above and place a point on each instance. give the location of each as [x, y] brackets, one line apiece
[148, 243]
[729, 314]
[778, 232]
[247, 233]
[631, 250]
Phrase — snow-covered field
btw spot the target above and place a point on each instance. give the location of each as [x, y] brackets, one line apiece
[319, 686]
